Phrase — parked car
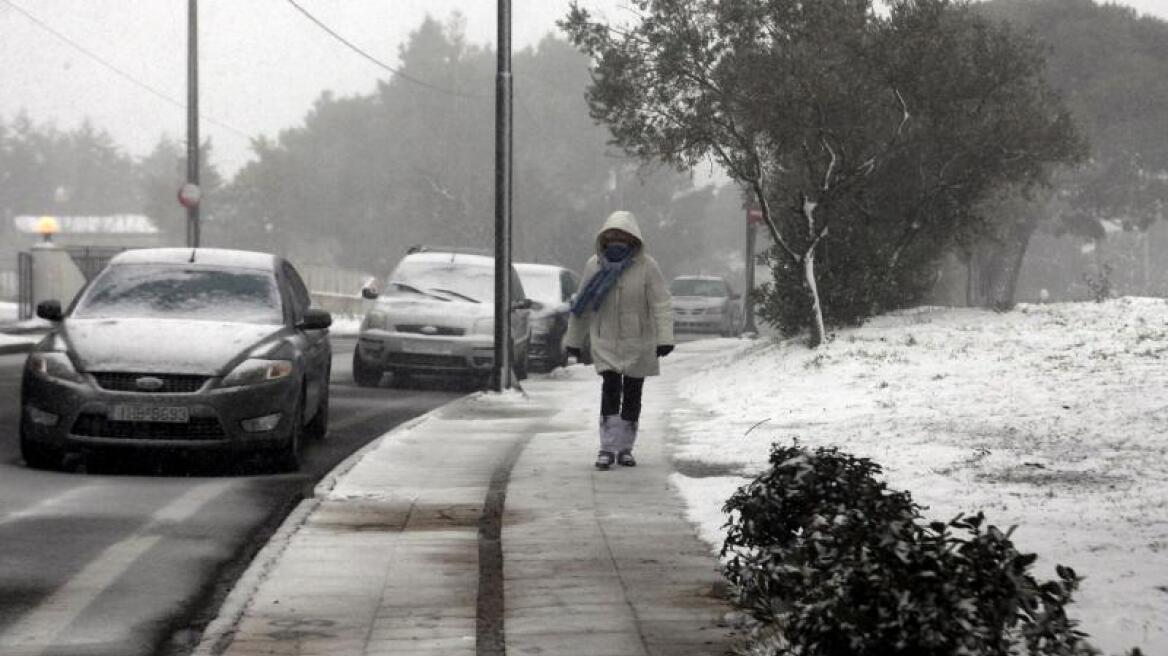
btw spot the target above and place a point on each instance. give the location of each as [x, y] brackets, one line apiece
[436, 316]
[179, 348]
[705, 304]
[551, 288]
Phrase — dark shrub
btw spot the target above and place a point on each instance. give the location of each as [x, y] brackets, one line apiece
[831, 562]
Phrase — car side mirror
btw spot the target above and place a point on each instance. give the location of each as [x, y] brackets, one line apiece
[523, 304]
[50, 310]
[315, 319]
[536, 305]
[369, 289]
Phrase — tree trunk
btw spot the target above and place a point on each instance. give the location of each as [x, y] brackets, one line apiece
[1003, 266]
[975, 288]
[1016, 269]
[818, 331]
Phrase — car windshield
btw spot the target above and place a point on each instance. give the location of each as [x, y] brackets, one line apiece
[182, 292]
[451, 279]
[543, 286]
[697, 287]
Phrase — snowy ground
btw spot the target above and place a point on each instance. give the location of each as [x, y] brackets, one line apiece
[8, 316]
[9, 340]
[345, 325]
[1050, 417]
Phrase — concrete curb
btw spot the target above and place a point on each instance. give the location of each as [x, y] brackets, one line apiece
[217, 635]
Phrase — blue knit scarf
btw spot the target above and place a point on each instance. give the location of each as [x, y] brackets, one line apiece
[617, 258]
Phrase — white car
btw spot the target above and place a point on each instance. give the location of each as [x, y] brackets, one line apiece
[436, 316]
[705, 304]
[552, 288]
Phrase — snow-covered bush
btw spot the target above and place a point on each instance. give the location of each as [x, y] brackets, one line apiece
[829, 561]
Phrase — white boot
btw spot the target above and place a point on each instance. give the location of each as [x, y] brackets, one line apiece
[609, 441]
[624, 447]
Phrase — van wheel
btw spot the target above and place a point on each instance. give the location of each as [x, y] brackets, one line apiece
[521, 366]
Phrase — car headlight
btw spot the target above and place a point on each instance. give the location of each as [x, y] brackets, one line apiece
[54, 364]
[484, 326]
[375, 320]
[254, 371]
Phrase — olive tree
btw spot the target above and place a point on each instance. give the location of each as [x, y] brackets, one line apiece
[814, 108]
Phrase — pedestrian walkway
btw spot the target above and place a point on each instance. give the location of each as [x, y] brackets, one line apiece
[482, 528]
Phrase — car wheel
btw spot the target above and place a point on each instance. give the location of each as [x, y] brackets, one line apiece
[39, 456]
[317, 429]
[365, 375]
[521, 365]
[288, 456]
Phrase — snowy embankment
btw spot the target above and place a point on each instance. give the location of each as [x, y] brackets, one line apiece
[1050, 417]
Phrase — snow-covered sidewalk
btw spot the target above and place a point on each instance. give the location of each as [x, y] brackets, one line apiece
[1050, 417]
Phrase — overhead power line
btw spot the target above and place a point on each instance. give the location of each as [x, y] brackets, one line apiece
[377, 62]
[121, 73]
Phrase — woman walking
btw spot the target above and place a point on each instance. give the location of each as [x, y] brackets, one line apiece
[626, 311]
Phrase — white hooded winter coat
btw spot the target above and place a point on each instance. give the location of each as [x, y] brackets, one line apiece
[635, 316]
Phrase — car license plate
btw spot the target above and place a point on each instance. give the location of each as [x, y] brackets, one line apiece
[169, 414]
[429, 348]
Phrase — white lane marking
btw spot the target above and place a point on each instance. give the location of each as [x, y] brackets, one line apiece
[38, 629]
[46, 506]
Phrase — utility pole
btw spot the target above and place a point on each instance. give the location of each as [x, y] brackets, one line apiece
[753, 216]
[502, 375]
[192, 185]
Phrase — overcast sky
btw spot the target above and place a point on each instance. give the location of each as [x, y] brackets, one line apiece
[262, 63]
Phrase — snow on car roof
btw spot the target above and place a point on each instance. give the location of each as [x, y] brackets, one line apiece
[210, 256]
[532, 267]
[439, 256]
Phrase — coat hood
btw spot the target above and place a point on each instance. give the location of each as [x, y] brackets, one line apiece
[625, 222]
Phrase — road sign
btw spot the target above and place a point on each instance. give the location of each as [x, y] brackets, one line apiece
[189, 195]
[753, 216]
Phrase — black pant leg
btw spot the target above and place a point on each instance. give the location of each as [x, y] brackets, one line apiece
[631, 398]
[610, 393]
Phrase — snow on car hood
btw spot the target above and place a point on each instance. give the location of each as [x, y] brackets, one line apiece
[163, 345]
[414, 309]
[698, 301]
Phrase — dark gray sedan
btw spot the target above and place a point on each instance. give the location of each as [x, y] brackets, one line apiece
[180, 349]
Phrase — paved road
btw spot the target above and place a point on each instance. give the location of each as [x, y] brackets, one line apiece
[111, 559]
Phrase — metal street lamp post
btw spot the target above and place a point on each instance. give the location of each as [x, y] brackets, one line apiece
[502, 375]
[192, 184]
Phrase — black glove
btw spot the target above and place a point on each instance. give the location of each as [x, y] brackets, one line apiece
[572, 351]
[664, 350]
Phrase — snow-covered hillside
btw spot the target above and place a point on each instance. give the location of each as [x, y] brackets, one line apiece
[1051, 417]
